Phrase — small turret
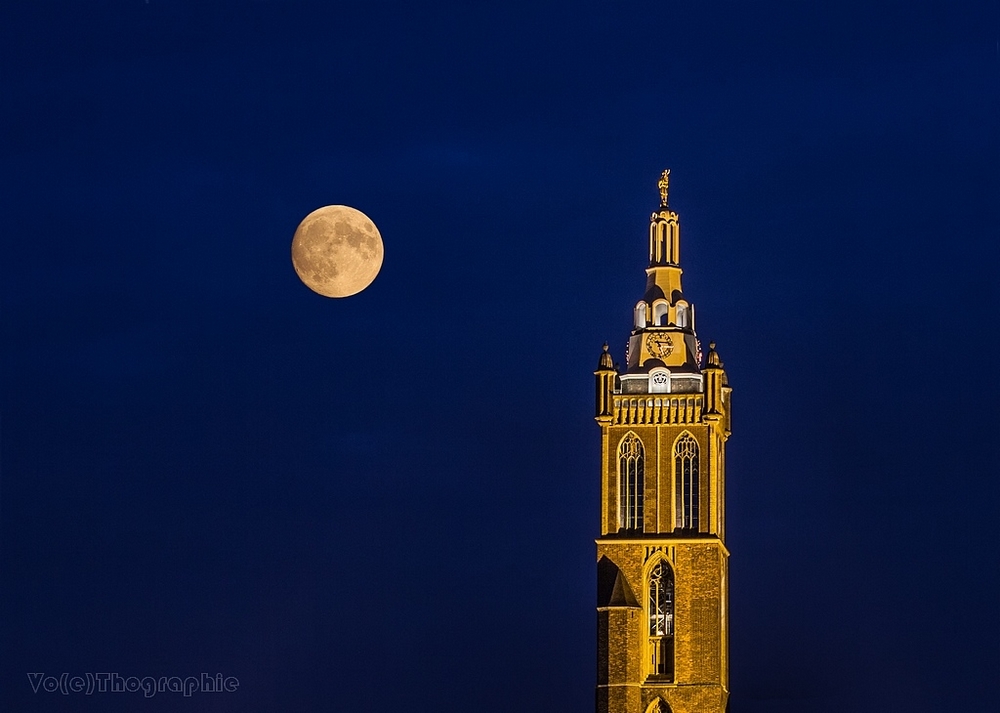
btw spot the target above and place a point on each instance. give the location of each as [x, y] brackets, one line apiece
[605, 385]
[715, 382]
[606, 362]
[713, 356]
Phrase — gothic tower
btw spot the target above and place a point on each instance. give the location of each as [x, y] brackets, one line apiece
[662, 562]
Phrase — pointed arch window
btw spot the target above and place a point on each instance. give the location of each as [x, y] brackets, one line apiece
[686, 479]
[631, 459]
[660, 606]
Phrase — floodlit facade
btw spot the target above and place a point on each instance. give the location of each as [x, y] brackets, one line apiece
[662, 562]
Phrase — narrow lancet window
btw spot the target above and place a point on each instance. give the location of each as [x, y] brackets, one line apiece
[686, 479]
[630, 483]
[660, 606]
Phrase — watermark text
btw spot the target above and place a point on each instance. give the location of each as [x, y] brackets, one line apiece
[90, 683]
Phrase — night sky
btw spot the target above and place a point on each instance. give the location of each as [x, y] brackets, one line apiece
[389, 502]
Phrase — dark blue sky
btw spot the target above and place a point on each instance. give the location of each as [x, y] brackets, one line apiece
[390, 501]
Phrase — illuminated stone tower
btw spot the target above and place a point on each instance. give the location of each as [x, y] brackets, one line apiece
[662, 588]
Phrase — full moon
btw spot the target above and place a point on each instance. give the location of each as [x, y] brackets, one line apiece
[337, 251]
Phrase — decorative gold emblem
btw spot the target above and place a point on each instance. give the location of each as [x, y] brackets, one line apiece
[659, 345]
[664, 185]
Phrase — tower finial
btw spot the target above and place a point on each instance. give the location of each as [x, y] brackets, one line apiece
[606, 363]
[713, 356]
[664, 185]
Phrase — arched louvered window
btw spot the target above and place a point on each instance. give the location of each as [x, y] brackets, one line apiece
[686, 479]
[640, 315]
[660, 313]
[660, 607]
[682, 315]
[630, 482]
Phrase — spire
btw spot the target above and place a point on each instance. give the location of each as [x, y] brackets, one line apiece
[663, 334]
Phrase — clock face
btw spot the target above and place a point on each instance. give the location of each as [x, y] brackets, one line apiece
[659, 345]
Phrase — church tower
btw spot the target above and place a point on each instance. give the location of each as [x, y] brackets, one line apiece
[662, 562]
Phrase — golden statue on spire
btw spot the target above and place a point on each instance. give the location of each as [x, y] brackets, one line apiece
[664, 185]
